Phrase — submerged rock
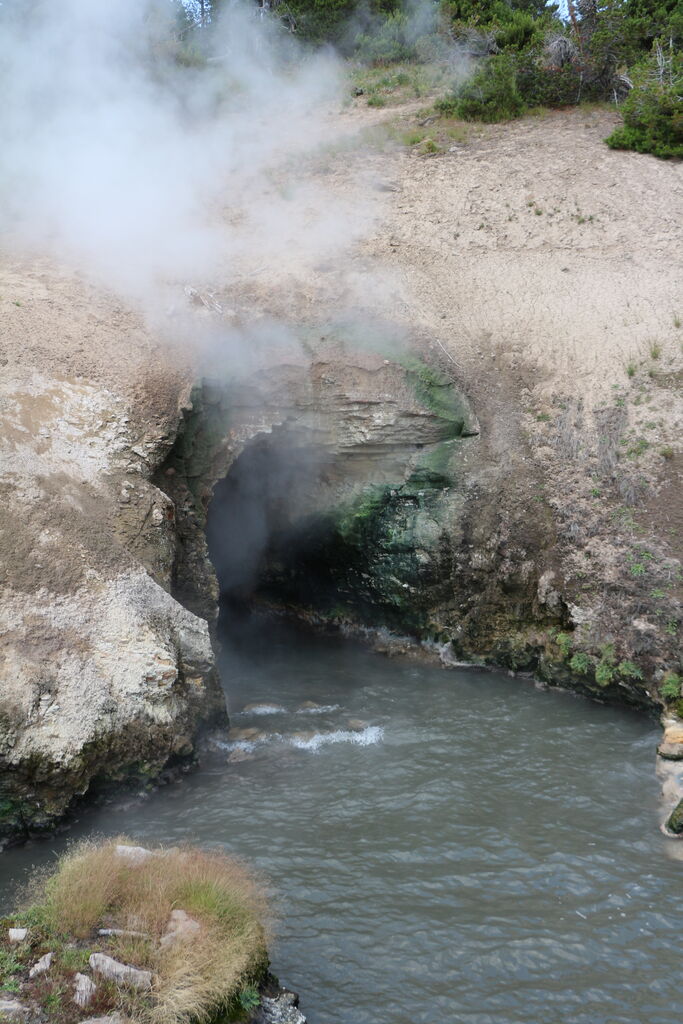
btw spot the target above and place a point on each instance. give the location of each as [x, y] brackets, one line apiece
[250, 735]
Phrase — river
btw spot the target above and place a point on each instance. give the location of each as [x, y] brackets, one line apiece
[443, 846]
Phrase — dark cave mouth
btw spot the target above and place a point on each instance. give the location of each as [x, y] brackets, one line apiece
[260, 520]
[297, 529]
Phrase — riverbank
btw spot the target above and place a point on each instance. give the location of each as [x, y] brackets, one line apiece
[412, 822]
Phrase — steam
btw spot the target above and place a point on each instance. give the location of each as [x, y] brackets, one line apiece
[151, 173]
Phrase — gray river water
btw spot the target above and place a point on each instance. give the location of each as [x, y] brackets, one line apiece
[473, 850]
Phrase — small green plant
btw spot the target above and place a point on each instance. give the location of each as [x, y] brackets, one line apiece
[491, 94]
[580, 663]
[639, 447]
[564, 642]
[430, 147]
[413, 138]
[655, 350]
[671, 688]
[671, 628]
[666, 452]
[604, 673]
[10, 965]
[376, 101]
[249, 998]
[629, 670]
[677, 322]
[606, 668]
[631, 369]
[595, 492]
[542, 417]
[74, 959]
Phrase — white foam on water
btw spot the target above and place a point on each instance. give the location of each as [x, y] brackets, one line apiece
[324, 709]
[365, 738]
[264, 709]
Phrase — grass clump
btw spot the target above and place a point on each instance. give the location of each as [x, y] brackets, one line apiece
[212, 970]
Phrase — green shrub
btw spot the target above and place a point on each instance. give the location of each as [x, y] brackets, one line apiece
[653, 111]
[671, 688]
[606, 668]
[543, 85]
[491, 94]
[580, 663]
[629, 670]
[388, 42]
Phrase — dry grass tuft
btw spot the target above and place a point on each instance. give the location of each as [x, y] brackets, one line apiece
[96, 887]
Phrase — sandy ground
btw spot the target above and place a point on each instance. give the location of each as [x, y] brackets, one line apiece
[537, 241]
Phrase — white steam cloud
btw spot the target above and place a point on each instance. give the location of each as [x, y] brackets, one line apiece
[148, 172]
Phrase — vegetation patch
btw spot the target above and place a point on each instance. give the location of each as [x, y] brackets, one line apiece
[192, 919]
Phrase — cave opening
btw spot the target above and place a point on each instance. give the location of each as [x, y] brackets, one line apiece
[268, 524]
[295, 528]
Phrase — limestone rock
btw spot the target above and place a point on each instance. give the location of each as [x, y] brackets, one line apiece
[180, 928]
[671, 747]
[282, 1009]
[41, 965]
[12, 1009]
[122, 931]
[17, 934]
[135, 854]
[111, 1018]
[123, 974]
[84, 989]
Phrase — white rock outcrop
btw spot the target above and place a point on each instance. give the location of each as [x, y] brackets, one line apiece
[41, 966]
[84, 989]
[122, 974]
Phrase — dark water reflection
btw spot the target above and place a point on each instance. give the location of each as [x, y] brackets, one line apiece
[476, 852]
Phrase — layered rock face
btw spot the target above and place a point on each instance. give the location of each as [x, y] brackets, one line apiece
[105, 676]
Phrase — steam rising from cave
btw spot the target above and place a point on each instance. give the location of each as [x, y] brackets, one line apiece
[265, 496]
[150, 165]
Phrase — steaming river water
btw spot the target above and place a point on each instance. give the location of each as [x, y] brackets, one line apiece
[477, 852]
